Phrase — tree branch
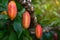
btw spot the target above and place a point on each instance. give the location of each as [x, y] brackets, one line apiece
[46, 29]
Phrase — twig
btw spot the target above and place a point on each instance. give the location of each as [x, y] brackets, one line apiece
[46, 29]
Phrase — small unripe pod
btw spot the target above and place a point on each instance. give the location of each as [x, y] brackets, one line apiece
[38, 31]
[26, 20]
[12, 10]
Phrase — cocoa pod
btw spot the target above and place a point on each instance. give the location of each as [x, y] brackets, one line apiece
[12, 10]
[26, 20]
[38, 31]
[55, 36]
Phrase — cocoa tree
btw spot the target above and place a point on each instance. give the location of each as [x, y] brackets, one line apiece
[15, 25]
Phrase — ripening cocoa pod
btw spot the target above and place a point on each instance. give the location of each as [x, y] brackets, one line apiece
[55, 36]
[38, 31]
[12, 10]
[26, 20]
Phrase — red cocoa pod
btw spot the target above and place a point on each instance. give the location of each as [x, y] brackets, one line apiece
[12, 10]
[26, 20]
[38, 31]
[55, 36]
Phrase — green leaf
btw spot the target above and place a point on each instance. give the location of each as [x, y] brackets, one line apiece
[24, 37]
[1, 34]
[12, 36]
[26, 34]
[19, 6]
[5, 2]
[2, 9]
[3, 16]
[19, 16]
[5, 38]
[3, 23]
[3, 5]
[21, 12]
[56, 14]
[18, 28]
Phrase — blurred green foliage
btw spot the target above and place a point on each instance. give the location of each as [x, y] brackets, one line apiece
[46, 11]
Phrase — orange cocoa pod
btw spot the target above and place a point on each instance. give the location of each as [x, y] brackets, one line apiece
[38, 31]
[26, 20]
[12, 10]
